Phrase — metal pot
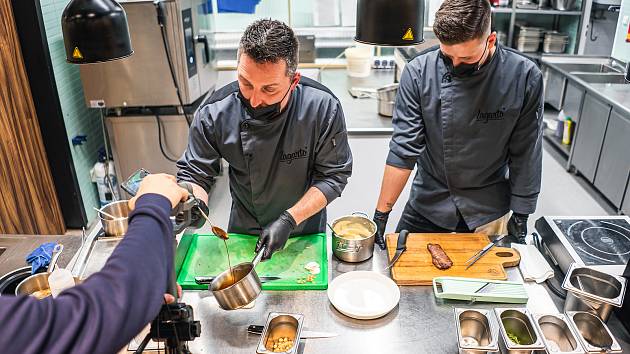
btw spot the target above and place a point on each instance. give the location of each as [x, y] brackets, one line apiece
[563, 5]
[239, 286]
[37, 284]
[119, 225]
[386, 98]
[593, 291]
[353, 250]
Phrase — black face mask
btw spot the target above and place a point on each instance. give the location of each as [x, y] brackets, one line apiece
[464, 69]
[264, 112]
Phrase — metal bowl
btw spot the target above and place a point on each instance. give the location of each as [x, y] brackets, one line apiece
[119, 225]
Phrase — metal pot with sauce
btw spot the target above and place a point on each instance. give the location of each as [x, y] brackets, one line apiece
[353, 237]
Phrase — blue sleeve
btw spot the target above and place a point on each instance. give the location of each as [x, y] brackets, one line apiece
[112, 306]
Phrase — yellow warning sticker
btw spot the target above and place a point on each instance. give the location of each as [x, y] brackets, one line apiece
[408, 36]
[76, 54]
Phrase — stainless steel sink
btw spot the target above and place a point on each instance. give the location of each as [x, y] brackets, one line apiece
[601, 78]
[588, 67]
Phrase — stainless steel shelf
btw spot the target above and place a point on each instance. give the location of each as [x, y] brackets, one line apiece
[502, 10]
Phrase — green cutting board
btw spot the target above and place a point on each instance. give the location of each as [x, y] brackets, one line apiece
[206, 256]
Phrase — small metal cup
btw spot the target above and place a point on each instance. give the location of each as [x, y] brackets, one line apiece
[119, 225]
[557, 334]
[518, 322]
[477, 331]
[593, 291]
[592, 333]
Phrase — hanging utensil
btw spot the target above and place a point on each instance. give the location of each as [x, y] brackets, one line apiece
[401, 247]
[472, 260]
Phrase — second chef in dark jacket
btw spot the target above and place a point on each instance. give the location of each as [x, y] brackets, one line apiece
[283, 136]
[468, 115]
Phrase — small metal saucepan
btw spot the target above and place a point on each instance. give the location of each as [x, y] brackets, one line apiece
[36, 285]
[239, 286]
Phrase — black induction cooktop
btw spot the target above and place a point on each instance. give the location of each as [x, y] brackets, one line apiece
[598, 241]
[592, 241]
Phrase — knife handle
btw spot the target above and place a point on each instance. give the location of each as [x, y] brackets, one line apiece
[401, 245]
[204, 280]
[255, 329]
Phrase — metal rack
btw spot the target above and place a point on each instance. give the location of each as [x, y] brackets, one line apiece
[513, 11]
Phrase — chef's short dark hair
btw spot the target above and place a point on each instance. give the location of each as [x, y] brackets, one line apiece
[268, 40]
[458, 21]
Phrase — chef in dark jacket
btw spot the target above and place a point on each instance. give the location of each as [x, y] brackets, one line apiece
[284, 137]
[107, 310]
[468, 115]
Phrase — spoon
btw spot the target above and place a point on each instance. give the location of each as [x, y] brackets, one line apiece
[219, 232]
[105, 213]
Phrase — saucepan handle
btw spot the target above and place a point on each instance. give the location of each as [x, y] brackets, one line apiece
[258, 256]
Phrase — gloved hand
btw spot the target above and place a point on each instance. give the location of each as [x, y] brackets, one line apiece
[40, 257]
[380, 219]
[275, 235]
[517, 227]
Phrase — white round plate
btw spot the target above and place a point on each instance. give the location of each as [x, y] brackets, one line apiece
[363, 295]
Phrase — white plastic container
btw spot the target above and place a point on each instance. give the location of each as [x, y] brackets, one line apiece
[359, 61]
[105, 195]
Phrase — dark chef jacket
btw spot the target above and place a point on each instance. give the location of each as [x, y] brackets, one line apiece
[475, 140]
[272, 163]
[105, 312]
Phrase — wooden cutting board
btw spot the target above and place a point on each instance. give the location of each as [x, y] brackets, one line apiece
[415, 267]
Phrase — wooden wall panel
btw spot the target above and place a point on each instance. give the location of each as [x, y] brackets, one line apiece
[28, 202]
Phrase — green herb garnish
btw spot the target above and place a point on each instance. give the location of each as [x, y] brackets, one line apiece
[514, 338]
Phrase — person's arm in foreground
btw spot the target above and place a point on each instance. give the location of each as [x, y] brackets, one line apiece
[113, 305]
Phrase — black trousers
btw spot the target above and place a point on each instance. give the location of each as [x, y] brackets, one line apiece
[412, 221]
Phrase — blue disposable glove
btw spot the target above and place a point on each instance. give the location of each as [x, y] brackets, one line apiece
[40, 257]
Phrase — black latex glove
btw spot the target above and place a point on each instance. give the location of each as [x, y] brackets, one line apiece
[276, 234]
[517, 227]
[197, 219]
[380, 219]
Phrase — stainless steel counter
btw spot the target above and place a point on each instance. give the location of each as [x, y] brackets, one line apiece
[420, 324]
[361, 113]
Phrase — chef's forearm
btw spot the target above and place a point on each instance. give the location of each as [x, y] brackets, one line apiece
[394, 180]
[310, 204]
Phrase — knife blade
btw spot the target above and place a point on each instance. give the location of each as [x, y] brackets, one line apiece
[254, 329]
[401, 247]
[472, 260]
[208, 280]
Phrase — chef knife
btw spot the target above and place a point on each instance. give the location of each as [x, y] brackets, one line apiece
[208, 280]
[401, 246]
[254, 329]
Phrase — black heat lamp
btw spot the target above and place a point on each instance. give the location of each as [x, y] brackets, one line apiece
[390, 22]
[95, 31]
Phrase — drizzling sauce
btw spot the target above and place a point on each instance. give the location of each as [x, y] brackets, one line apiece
[227, 251]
